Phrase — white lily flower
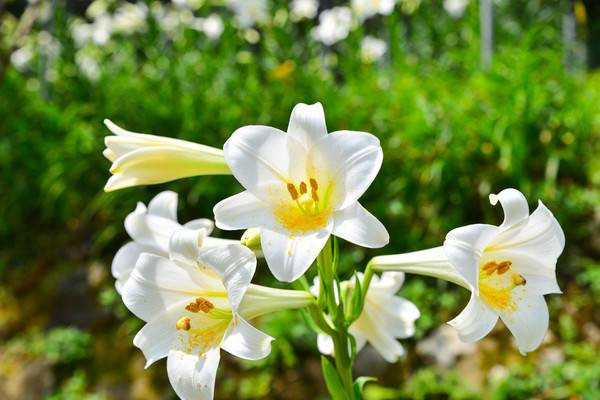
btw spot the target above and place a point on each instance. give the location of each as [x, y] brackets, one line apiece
[334, 25]
[372, 49]
[508, 268]
[301, 187]
[368, 8]
[249, 12]
[141, 159]
[385, 317]
[197, 303]
[151, 229]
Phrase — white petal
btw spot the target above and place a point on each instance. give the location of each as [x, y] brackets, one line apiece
[325, 344]
[475, 321]
[514, 205]
[390, 282]
[529, 323]
[158, 336]
[352, 160]
[380, 338]
[540, 278]
[429, 262]
[258, 158]
[464, 246]
[217, 242]
[164, 205]
[245, 341]
[158, 164]
[125, 260]
[184, 245]
[192, 376]
[203, 223]
[150, 230]
[243, 211]
[540, 236]
[156, 283]
[235, 264]
[307, 124]
[289, 256]
[358, 226]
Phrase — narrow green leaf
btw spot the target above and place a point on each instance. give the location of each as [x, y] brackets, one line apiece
[332, 380]
[356, 302]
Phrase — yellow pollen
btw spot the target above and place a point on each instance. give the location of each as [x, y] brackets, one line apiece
[503, 267]
[184, 323]
[518, 280]
[200, 304]
[495, 288]
[293, 192]
[303, 188]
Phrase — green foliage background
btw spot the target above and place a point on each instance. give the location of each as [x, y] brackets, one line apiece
[451, 131]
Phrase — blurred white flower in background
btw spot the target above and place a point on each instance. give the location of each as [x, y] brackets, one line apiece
[88, 65]
[334, 25]
[367, 8]
[455, 8]
[21, 58]
[300, 9]
[213, 26]
[444, 346]
[130, 18]
[249, 12]
[372, 49]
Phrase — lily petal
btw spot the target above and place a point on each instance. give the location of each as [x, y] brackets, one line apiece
[245, 341]
[307, 124]
[354, 159]
[184, 245]
[235, 264]
[528, 323]
[158, 336]
[243, 211]
[464, 246]
[475, 321]
[192, 376]
[258, 157]
[356, 225]
[514, 205]
[201, 223]
[124, 262]
[541, 237]
[164, 205]
[289, 256]
[157, 282]
[158, 164]
[150, 230]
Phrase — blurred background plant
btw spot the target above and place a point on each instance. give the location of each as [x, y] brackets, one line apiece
[454, 124]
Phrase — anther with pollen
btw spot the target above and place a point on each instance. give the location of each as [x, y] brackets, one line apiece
[518, 280]
[184, 324]
[503, 267]
[293, 192]
[201, 304]
[313, 184]
[303, 188]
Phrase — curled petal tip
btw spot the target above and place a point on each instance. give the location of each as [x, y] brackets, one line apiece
[493, 199]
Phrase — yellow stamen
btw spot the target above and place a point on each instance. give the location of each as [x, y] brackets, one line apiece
[518, 280]
[303, 188]
[503, 267]
[201, 304]
[184, 323]
[293, 192]
[313, 184]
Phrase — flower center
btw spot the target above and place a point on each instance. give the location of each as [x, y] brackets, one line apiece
[206, 329]
[496, 285]
[308, 209]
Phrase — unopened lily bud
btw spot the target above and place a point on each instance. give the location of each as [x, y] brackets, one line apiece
[251, 239]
